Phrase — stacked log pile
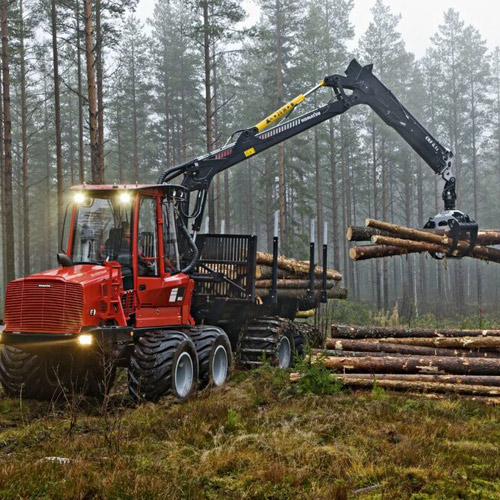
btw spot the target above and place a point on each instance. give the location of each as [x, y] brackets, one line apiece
[390, 239]
[293, 279]
[437, 361]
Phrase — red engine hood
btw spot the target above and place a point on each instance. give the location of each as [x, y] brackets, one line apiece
[83, 274]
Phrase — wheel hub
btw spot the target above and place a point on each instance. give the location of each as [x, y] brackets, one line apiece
[219, 366]
[284, 352]
[184, 371]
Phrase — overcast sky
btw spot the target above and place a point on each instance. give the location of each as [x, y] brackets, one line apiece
[419, 18]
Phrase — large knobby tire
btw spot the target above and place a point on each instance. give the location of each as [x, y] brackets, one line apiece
[269, 339]
[92, 375]
[28, 374]
[163, 362]
[214, 355]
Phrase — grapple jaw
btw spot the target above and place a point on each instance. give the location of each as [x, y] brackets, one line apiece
[461, 227]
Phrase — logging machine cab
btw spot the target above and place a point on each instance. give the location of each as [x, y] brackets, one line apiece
[132, 230]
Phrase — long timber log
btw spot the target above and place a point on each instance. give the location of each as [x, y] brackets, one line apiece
[386, 346]
[376, 252]
[293, 284]
[364, 332]
[296, 266]
[479, 252]
[360, 233]
[336, 292]
[413, 364]
[486, 380]
[456, 342]
[412, 385]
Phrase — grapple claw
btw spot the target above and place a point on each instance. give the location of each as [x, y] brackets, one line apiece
[461, 227]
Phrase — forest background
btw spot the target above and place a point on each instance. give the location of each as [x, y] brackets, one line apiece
[91, 93]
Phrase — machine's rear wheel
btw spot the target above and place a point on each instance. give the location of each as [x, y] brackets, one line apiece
[28, 374]
[271, 339]
[214, 354]
[163, 362]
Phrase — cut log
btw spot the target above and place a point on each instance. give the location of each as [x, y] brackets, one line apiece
[414, 364]
[457, 342]
[376, 251]
[294, 283]
[490, 380]
[363, 332]
[336, 292]
[296, 266]
[386, 346]
[266, 272]
[360, 233]
[479, 252]
[411, 385]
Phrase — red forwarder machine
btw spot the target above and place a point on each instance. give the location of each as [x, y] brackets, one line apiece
[138, 287]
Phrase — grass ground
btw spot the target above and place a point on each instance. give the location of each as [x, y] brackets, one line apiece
[258, 437]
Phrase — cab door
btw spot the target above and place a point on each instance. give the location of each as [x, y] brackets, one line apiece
[160, 294]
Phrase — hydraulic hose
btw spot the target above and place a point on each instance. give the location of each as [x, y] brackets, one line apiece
[194, 249]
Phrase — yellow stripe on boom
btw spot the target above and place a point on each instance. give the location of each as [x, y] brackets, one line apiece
[279, 113]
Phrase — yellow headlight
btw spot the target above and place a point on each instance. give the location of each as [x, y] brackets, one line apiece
[85, 339]
[79, 198]
[125, 197]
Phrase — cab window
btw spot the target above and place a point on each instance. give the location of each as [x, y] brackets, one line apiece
[147, 238]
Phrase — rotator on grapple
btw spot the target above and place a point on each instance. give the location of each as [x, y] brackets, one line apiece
[138, 287]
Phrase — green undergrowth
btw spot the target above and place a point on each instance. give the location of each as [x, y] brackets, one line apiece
[259, 437]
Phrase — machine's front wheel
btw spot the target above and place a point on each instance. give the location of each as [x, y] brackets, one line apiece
[163, 362]
[28, 374]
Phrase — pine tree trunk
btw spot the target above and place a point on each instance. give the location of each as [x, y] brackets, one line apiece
[100, 90]
[378, 276]
[92, 94]
[335, 201]
[208, 108]
[57, 113]
[81, 150]
[135, 131]
[24, 140]
[10, 271]
[319, 200]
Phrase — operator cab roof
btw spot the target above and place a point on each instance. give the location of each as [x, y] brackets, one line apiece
[103, 188]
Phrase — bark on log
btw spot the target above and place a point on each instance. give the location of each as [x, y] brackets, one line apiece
[363, 332]
[414, 364]
[412, 385]
[486, 380]
[296, 266]
[387, 346]
[266, 272]
[376, 251]
[479, 252]
[457, 342]
[294, 284]
[336, 292]
[360, 233]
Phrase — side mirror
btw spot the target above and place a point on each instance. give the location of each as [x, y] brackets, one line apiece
[64, 260]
